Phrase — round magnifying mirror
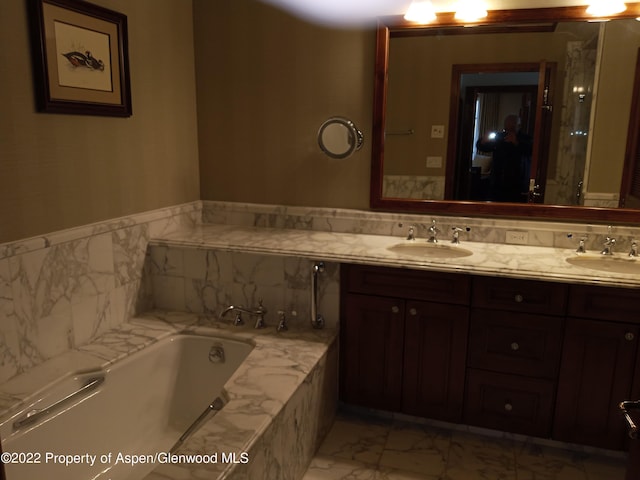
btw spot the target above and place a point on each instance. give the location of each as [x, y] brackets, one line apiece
[338, 137]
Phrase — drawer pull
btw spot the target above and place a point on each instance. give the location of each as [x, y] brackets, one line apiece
[629, 336]
[515, 346]
[508, 407]
[518, 298]
[413, 312]
[395, 309]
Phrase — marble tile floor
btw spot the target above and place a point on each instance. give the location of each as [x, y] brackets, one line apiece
[364, 448]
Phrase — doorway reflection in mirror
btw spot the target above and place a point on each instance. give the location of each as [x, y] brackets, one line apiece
[510, 162]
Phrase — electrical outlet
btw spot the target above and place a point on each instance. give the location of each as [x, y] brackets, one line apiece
[434, 162]
[518, 238]
[437, 131]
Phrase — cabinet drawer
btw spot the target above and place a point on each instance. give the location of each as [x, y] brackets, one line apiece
[409, 284]
[509, 402]
[520, 343]
[530, 296]
[604, 303]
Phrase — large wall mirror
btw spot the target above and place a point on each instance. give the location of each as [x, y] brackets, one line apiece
[442, 90]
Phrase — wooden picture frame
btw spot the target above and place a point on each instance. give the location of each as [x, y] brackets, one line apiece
[81, 63]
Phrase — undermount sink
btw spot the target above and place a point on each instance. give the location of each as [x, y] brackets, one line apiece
[430, 250]
[607, 264]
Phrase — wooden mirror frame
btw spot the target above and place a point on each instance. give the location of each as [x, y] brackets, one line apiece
[497, 20]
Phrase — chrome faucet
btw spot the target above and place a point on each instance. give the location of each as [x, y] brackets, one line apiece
[412, 233]
[456, 234]
[609, 243]
[258, 312]
[282, 325]
[433, 233]
[581, 244]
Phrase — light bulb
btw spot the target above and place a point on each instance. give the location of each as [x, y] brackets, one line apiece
[603, 8]
[420, 11]
[470, 10]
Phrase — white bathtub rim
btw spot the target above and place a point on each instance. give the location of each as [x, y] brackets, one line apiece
[89, 365]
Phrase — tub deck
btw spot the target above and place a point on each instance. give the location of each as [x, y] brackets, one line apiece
[282, 398]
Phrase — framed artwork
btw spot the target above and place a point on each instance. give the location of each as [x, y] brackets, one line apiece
[81, 62]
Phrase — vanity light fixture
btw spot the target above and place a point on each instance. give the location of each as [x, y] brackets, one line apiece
[604, 8]
[470, 10]
[420, 11]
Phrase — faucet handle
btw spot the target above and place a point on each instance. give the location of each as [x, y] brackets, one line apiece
[433, 232]
[581, 243]
[411, 235]
[282, 324]
[634, 249]
[456, 233]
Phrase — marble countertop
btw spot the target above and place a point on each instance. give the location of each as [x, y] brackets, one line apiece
[518, 261]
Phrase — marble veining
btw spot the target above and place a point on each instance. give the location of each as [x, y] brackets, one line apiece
[204, 280]
[362, 447]
[413, 186]
[61, 290]
[286, 380]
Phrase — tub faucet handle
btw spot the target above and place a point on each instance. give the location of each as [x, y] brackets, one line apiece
[260, 313]
[282, 324]
[634, 249]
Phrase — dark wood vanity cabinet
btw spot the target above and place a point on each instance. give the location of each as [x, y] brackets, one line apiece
[403, 341]
[599, 357]
[546, 359]
[515, 340]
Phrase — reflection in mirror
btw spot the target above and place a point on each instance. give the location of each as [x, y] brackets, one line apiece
[432, 94]
[489, 76]
[339, 137]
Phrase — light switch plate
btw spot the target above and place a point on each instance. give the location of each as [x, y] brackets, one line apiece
[518, 238]
[437, 131]
[434, 162]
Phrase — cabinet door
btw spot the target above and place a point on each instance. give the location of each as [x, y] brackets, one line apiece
[596, 373]
[372, 336]
[434, 360]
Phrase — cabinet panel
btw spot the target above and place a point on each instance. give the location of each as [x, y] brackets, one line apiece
[408, 284]
[508, 402]
[605, 303]
[529, 296]
[371, 343]
[434, 360]
[519, 343]
[596, 374]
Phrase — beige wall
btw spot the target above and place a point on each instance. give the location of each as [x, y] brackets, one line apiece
[59, 171]
[613, 105]
[266, 82]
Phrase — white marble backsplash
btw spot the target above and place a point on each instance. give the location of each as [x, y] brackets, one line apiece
[487, 230]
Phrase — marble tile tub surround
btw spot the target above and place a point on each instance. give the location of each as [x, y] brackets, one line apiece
[487, 230]
[283, 398]
[59, 291]
[203, 280]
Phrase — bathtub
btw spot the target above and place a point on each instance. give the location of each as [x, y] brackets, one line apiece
[134, 411]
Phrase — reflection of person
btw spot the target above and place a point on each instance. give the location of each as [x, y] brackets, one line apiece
[511, 150]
